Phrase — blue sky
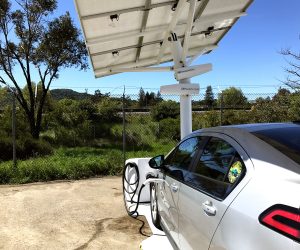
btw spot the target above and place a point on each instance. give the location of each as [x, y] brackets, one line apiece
[247, 56]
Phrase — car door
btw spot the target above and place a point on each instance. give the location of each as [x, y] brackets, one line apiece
[206, 193]
[175, 170]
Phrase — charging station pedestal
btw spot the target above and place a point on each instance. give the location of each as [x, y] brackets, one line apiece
[136, 172]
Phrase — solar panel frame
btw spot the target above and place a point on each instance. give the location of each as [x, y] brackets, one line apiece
[133, 34]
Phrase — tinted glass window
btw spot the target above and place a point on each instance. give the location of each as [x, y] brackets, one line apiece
[179, 161]
[286, 140]
[219, 168]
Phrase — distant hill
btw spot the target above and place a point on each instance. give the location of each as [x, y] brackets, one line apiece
[59, 94]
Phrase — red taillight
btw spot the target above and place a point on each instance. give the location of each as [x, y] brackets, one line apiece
[282, 219]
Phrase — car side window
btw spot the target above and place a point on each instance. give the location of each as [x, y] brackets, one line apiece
[218, 170]
[181, 158]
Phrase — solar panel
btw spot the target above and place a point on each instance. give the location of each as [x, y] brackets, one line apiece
[129, 34]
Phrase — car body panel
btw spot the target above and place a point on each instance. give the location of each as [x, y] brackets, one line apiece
[271, 178]
[192, 217]
[240, 227]
[167, 206]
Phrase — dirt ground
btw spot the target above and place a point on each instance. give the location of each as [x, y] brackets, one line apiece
[86, 214]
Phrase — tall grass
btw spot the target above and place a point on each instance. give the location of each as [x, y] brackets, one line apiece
[74, 163]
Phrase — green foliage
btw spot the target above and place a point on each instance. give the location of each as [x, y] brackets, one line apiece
[5, 97]
[232, 98]
[165, 109]
[148, 99]
[137, 137]
[142, 97]
[25, 148]
[70, 164]
[59, 94]
[108, 110]
[294, 110]
[236, 117]
[206, 119]
[209, 97]
[70, 122]
[169, 128]
[34, 37]
[276, 109]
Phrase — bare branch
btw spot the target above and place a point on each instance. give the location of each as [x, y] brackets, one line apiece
[291, 58]
[2, 80]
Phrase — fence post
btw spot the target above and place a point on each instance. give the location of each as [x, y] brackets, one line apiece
[14, 129]
[221, 109]
[124, 129]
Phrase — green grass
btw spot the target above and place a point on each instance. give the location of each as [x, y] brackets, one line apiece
[74, 163]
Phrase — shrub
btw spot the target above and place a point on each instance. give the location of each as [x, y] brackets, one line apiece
[25, 148]
[169, 128]
[108, 110]
[35, 148]
[136, 135]
[5, 149]
[206, 119]
[5, 173]
[165, 109]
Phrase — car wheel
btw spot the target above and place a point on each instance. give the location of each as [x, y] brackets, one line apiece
[154, 208]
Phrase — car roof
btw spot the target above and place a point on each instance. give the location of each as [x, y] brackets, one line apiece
[244, 135]
[250, 127]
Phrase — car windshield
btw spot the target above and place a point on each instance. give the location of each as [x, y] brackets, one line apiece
[286, 140]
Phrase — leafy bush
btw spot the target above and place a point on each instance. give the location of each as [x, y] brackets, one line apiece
[5, 149]
[137, 136]
[294, 110]
[108, 110]
[6, 173]
[165, 109]
[169, 128]
[206, 119]
[35, 148]
[25, 148]
[232, 97]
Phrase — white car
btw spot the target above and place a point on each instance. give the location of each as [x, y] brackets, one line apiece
[235, 187]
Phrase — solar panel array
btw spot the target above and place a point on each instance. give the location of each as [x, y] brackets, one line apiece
[132, 33]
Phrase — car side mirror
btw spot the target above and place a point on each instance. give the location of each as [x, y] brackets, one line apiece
[156, 162]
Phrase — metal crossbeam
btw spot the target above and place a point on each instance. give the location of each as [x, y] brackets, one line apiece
[153, 42]
[141, 69]
[204, 20]
[201, 9]
[128, 10]
[188, 30]
[148, 61]
[171, 26]
[144, 24]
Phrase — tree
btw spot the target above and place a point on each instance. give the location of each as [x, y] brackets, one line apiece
[108, 109]
[293, 69]
[70, 121]
[158, 97]
[142, 97]
[31, 41]
[209, 97]
[232, 97]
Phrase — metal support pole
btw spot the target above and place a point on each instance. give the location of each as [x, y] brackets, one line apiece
[185, 100]
[185, 114]
[124, 129]
[14, 130]
[221, 109]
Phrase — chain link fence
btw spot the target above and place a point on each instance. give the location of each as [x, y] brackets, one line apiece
[92, 127]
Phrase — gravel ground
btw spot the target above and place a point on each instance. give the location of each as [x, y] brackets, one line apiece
[85, 214]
